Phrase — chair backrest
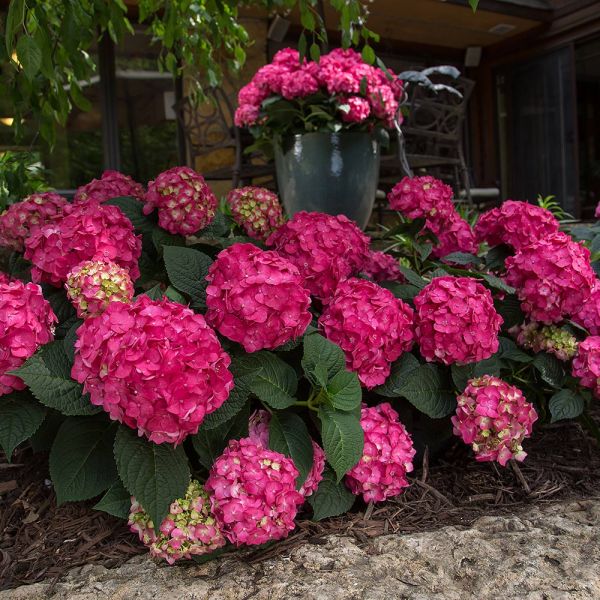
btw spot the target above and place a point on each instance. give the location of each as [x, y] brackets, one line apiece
[439, 117]
[209, 126]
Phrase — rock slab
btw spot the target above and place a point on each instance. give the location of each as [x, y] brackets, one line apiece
[551, 553]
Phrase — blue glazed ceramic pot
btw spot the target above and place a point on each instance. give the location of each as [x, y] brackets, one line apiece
[334, 173]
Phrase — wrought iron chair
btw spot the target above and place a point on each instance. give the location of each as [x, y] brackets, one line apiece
[215, 142]
[431, 137]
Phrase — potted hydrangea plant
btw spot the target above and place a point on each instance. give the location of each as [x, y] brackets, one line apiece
[325, 121]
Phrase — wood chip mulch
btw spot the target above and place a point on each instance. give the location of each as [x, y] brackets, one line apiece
[39, 540]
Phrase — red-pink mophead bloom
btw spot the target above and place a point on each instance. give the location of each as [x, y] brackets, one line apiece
[89, 231]
[370, 325]
[155, 366]
[387, 456]
[325, 248]
[21, 218]
[26, 323]
[256, 298]
[184, 201]
[494, 418]
[456, 321]
[253, 493]
[553, 277]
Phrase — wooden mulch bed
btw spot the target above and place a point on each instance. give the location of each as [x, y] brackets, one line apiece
[39, 540]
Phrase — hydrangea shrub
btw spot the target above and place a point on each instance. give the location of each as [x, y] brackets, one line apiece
[220, 375]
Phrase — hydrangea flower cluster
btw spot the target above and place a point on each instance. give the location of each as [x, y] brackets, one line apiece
[371, 326]
[258, 432]
[516, 224]
[339, 74]
[454, 235]
[256, 298]
[26, 323]
[155, 366]
[494, 418]
[88, 232]
[380, 266]
[387, 456]
[586, 364]
[93, 284]
[256, 210]
[18, 220]
[253, 493]
[183, 199]
[111, 184]
[588, 315]
[430, 199]
[4, 278]
[456, 321]
[546, 338]
[188, 530]
[553, 277]
[422, 197]
[325, 248]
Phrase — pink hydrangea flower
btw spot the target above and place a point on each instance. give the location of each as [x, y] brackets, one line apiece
[383, 103]
[325, 248]
[92, 285]
[26, 323]
[246, 115]
[454, 235]
[597, 211]
[371, 326]
[380, 266]
[18, 220]
[456, 321]
[256, 210]
[421, 197]
[299, 84]
[553, 277]
[155, 366]
[358, 109]
[4, 278]
[387, 456]
[516, 224]
[112, 184]
[188, 530]
[588, 315]
[494, 418]
[183, 199]
[253, 493]
[545, 338]
[89, 231]
[258, 432]
[256, 298]
[586, 364]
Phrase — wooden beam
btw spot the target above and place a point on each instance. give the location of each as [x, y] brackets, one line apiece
[514, 10]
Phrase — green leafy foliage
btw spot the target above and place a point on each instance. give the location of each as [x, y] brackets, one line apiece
[550, 369]
[116, 501]
[425, 388]
[289, 436]
[322, 359]
[343, 439]
[20, 417]
[566, 404]
[397, 378]
[156, 474]
[187, 270]
[275, 383]
[210, 443]
[48, 375]
[332, 497]
[81, 460]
